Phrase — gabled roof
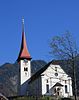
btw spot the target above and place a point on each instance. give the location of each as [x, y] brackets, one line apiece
[39, 72]
[58, 84]
[24, 54]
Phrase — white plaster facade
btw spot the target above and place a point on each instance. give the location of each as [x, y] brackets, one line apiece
[52, 75]
[25, 74]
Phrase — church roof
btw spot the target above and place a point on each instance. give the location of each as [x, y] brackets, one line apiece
[24, 54]
[39, 72]
[57, 84]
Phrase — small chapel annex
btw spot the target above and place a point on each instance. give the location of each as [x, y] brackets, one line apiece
[49, 80]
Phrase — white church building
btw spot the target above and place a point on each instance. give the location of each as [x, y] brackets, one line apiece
[49, 80]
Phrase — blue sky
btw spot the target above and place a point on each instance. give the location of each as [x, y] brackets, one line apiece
[43, 20]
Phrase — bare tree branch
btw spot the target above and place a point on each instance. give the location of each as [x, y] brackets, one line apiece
[64, 47]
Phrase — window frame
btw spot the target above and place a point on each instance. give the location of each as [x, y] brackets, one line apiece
[66, 89]
[47, 88]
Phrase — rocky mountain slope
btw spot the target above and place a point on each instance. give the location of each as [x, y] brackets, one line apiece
[9, 76]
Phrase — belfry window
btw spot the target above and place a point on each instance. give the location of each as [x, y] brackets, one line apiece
[25, 69]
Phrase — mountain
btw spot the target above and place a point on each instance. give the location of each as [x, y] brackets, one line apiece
[9, 76]
[36, 65]
[9, 79]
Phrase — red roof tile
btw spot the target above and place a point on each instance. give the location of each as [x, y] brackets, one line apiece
[24, 54]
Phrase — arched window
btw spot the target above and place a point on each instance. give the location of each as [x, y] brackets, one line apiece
[66, 90]
[47, 81]
[47, 88]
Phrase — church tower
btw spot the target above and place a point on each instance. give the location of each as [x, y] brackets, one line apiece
[24, 59]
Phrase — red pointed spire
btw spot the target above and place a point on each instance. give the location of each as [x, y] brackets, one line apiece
[24, 54]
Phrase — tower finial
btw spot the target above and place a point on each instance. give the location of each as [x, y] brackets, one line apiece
[22, 20]
[22, 24]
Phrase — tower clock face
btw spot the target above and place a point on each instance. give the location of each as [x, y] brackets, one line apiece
[25, 62]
